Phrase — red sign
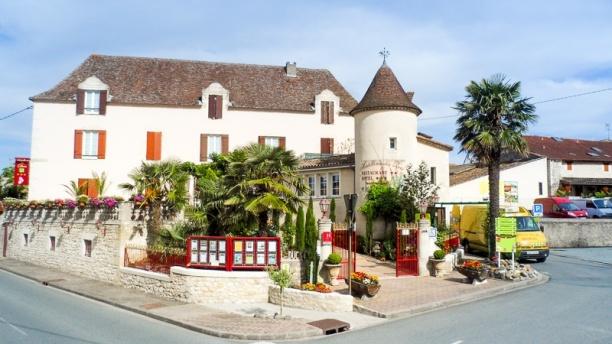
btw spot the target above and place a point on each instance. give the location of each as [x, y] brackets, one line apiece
[21, 176]
[326, 237]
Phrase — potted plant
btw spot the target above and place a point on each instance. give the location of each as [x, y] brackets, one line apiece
[333, 267]
[364, 284]
[437, 261]
[474, 270]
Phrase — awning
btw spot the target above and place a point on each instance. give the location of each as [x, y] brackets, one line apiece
[588, 181]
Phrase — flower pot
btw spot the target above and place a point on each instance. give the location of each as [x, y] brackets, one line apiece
[360, 289]
[438, 266]
[333, 270]
[474, 274]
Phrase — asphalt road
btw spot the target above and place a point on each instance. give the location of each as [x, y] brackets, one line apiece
[33, 313]
[575, 306]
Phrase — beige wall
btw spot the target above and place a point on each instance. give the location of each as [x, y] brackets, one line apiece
[347, 176]
[438, 158]
[53, 129]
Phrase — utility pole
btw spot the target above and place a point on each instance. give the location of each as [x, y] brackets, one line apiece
[608, 130]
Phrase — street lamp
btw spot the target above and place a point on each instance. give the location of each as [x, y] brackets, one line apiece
[324, 206]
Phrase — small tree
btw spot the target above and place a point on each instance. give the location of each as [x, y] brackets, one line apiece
[332, 210]
[403, 216]
[282, 278]
[310, 242]
[417, 187]
[299, 230]
[288, 232]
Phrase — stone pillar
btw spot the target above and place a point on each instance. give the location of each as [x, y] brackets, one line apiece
[325, 246]
[425, 247]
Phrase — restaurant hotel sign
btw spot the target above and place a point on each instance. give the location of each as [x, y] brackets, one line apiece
[373, 171]
[21, 175]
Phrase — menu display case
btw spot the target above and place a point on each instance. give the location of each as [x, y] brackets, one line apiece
[233, 253]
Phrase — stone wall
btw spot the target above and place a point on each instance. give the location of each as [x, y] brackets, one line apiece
[70, 228]
[329, 302]
[577, 233]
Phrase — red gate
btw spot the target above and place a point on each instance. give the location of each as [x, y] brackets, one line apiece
[406, 246]
[340, 238]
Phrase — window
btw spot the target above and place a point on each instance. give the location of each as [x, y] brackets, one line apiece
[154, 145]
[214, 145]
[335, 184]
[272, 141]
[52, 243]
[569, 165]
[393, 143]
[606, 166]
[327, 112]
[89, 144]
[25, 239]
[311, 185]
[215, 107]
[92, 103]
[540, 188]
[327, 145]
[322, 185]
[432, 175]
[87, 248]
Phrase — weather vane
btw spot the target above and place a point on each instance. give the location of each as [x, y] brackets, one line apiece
[384, 53]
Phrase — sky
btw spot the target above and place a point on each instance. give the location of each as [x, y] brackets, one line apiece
[554, 48]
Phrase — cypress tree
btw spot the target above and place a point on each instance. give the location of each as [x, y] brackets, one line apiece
[310, 242]
[299, 230]
[403, 217]
[332, 210]
[288, 231]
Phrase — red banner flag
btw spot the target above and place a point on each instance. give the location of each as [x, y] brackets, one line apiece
[21, 176]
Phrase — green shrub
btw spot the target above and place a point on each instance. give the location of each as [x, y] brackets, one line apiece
[439, 254]
[334, 258]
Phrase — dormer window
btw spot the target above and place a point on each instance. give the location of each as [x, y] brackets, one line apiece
[91, 98]
[92, 103]
[327, 112]
[215, 106]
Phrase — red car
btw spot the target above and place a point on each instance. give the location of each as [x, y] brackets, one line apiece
[560, 207]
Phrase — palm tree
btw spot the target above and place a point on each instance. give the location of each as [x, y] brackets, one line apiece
[492, 120]
[164, 185]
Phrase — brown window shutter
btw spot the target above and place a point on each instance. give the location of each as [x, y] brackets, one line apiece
[261, 140]
[330, 112]
[158, 146]
[203, 147]
[331, 145]
[150, 145]
[324, 145]
[219, 108]
[323, 113]
[92, 188]
[606, 166]
[102, 144]
[78, 144]
[80, 102]
[224, 144]
[212, 104]
[103, 98]
[327, 146]
[281, 142]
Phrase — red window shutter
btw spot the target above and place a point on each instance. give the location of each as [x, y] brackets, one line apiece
[281, 142]
[330, 112]
[203, 147]
[261, 140]
[103, 98]
[224, 144]
[158, 146]
[219, 107]
[150, 145]
[92, 188]
[331, 144]
[327, 146]
[80, 102]
[84, 184]
[78, 144]
[102, 144]
[212, 105]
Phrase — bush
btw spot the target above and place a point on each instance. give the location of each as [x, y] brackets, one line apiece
[334, 258]
[439, 254]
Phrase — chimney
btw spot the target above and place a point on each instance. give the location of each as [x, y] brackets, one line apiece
[291, 69]
[410, 95]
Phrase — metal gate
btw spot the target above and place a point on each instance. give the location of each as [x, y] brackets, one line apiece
[340, 239]
[406, 247]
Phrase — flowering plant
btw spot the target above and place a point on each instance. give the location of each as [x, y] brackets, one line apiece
[364, 278]
[33, 204]
[70, 203]
[95, 202]
[110, 202]
[319, 287]
[472, 264]
[138, 199]
[59, 203]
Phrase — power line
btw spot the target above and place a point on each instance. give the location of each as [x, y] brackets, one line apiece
[15, 113]
[540, 102]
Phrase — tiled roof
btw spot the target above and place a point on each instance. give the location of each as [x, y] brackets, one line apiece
[340, 160]
[154, 81]
[587, 181]
[427, 140]
[386, 93]
[570, 149]
[464, 173]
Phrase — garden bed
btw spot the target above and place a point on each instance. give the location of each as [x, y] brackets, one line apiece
[329, 302]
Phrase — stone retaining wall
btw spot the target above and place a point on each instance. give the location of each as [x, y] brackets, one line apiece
[577, 233]
[329, 302]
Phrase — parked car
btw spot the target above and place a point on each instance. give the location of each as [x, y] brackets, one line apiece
[596, 208]
[560, 207]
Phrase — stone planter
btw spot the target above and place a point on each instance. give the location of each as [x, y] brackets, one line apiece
[333, 271]
[438, 266]
[474, 274]
[359, 289]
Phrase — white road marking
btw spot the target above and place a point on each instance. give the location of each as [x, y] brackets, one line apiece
[457, 342]
[13, 326]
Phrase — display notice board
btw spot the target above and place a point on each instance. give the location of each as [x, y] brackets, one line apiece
[233, 253]
[505, 234]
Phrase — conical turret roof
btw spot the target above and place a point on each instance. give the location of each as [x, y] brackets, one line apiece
[386, 93]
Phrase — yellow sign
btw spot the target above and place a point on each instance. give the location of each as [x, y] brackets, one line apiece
[505, 234]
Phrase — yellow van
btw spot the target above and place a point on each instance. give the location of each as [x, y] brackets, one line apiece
[530, 239]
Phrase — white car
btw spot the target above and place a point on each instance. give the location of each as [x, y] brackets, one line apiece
[596, 208]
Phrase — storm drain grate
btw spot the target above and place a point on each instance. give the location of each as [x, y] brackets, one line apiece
[331, 326]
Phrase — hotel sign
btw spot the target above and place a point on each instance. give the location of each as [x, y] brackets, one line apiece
[21, 175]
[373, 171]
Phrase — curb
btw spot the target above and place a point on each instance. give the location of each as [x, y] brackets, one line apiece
[434, 306]
[314, 332]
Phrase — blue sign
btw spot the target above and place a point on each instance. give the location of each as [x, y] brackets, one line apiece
[538, 209]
